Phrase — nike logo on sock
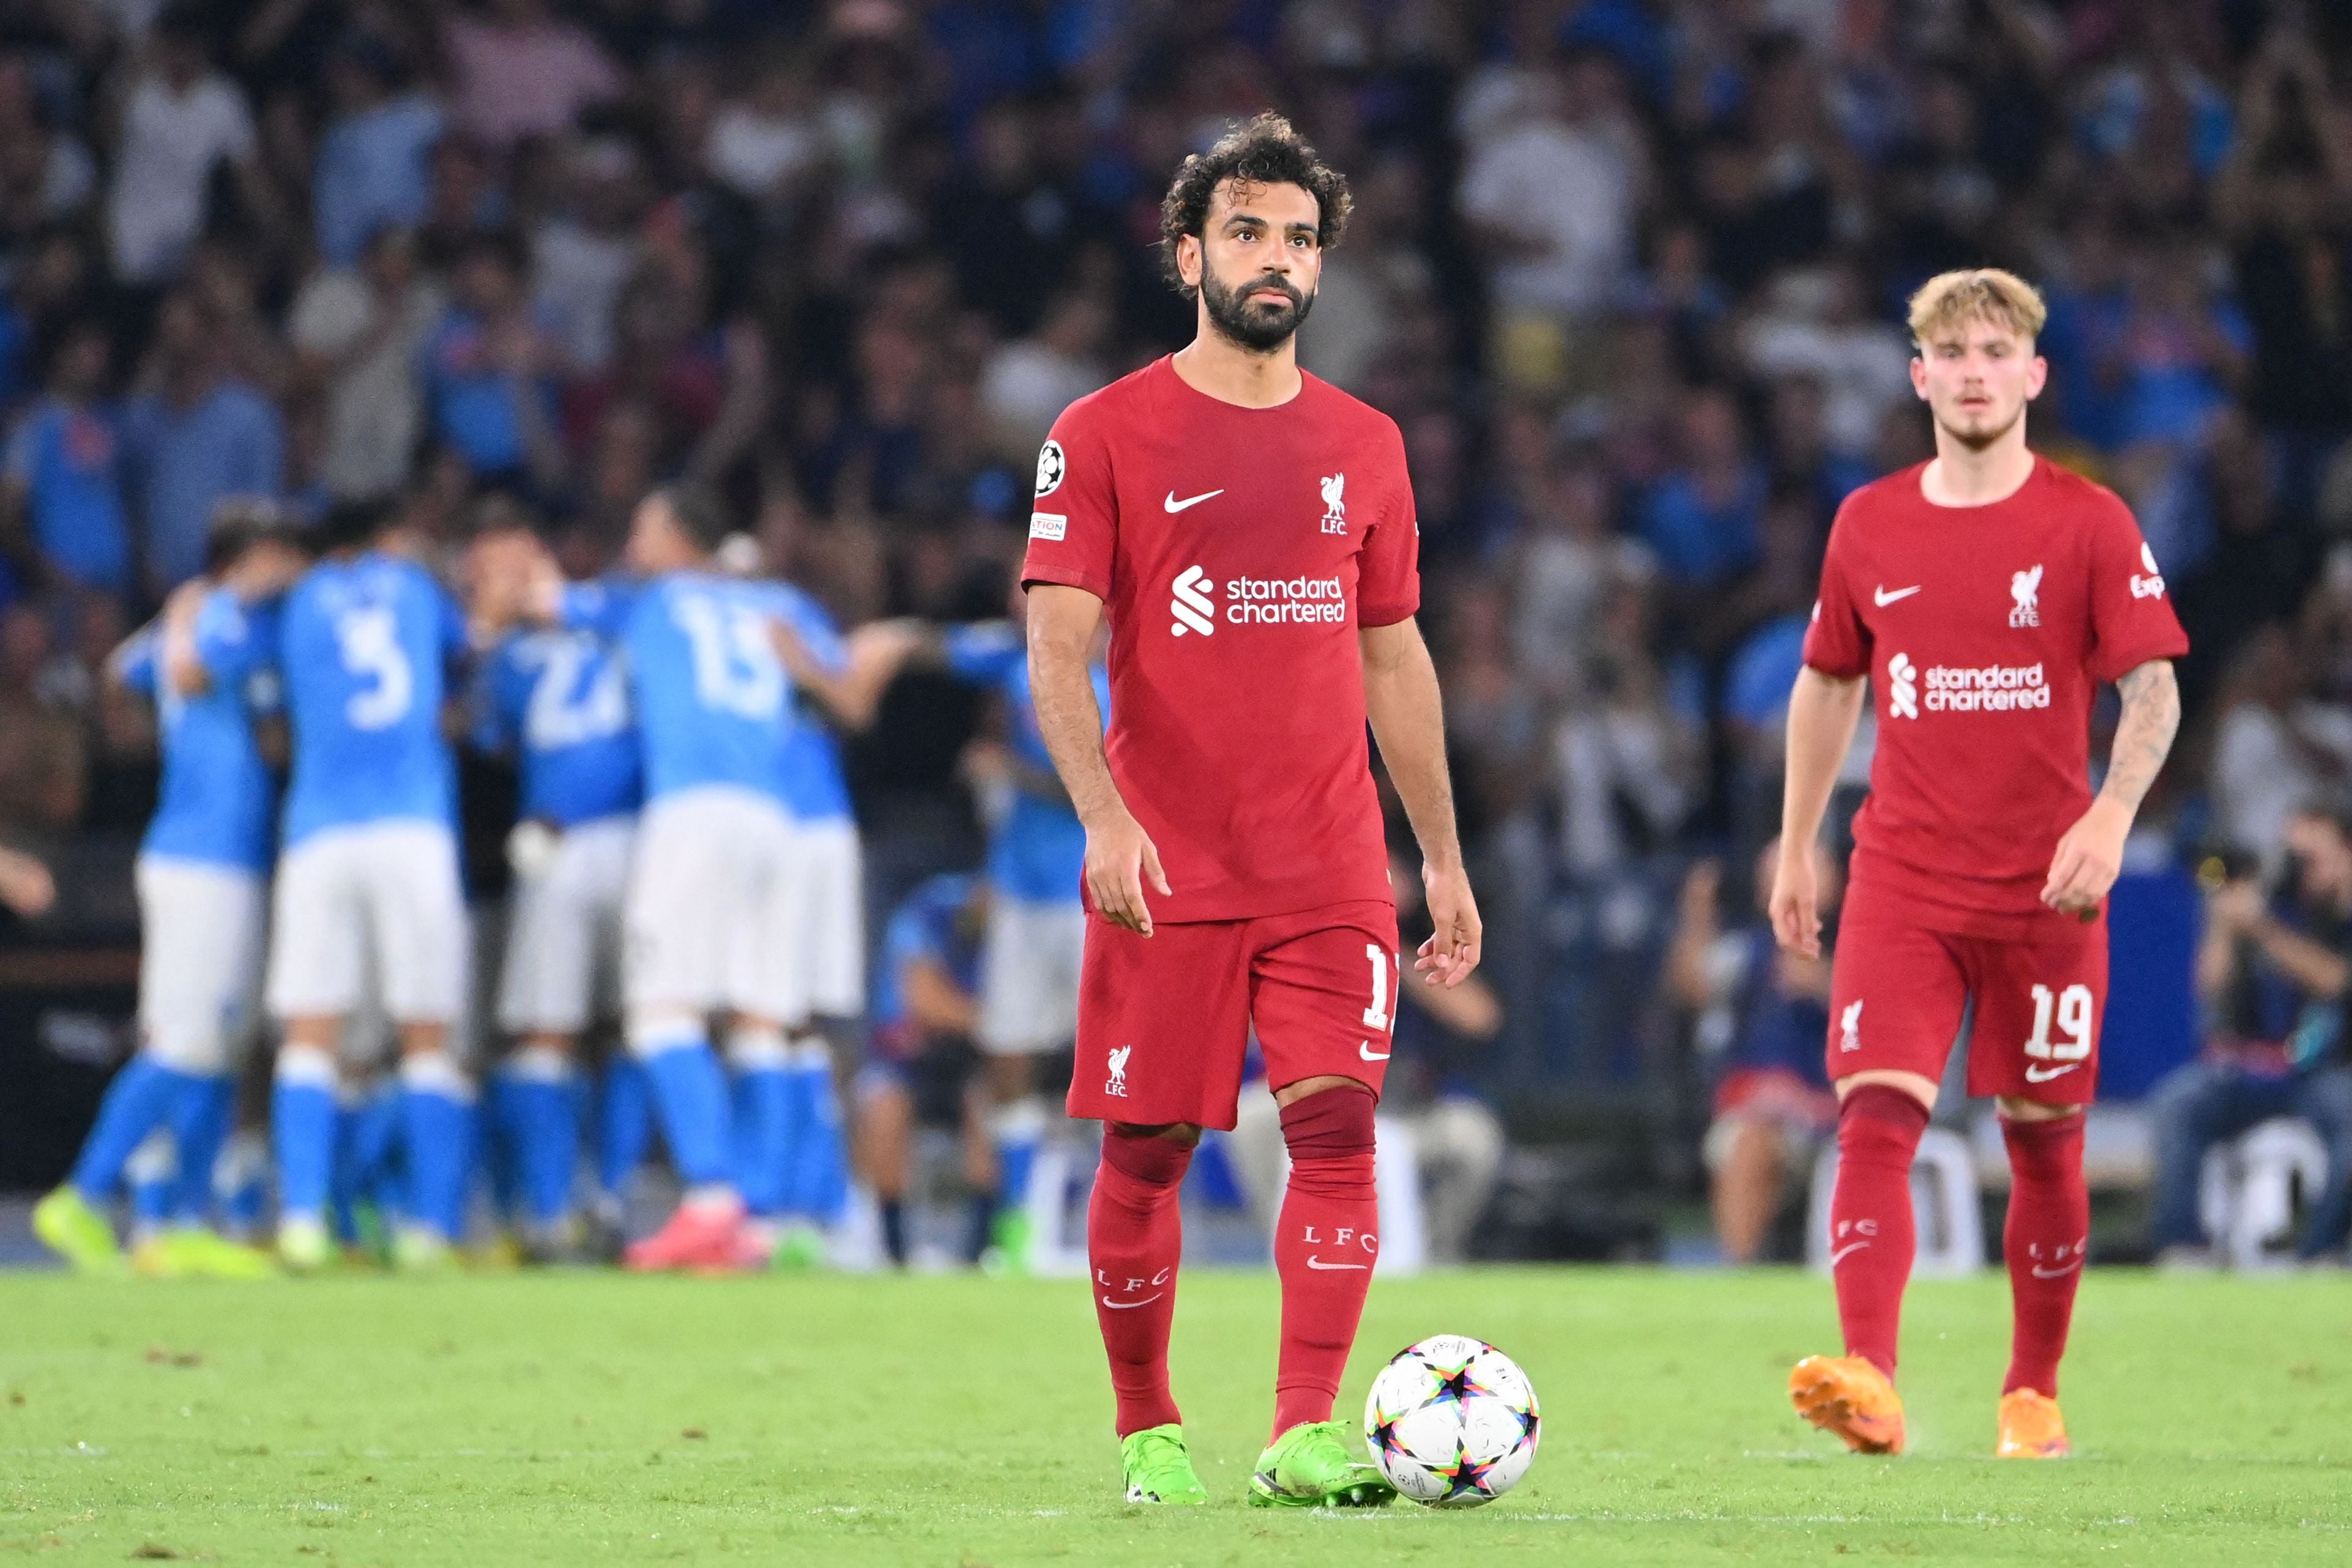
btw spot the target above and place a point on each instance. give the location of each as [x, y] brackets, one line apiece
[1315, 1262]
[1849, 1247]
[1173, 504]
[2041, 1274]
[1131, 1306]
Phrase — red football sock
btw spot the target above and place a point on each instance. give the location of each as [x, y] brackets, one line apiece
[1135, 1234]
[1872, 1236]
[2049, 1225]
[1324, 1247]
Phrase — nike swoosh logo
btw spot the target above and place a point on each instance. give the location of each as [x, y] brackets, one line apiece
[1131, 1306]
[1880, 597]
[2041, 1274]
[1173, 504]
[1849, 1247]
[1315, 1262]
[2044, 1074]
[1364, 1048]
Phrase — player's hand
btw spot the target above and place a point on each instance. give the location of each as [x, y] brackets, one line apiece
[27, 887]
[1119, 857]
[2087, 860]
[1796, 905]
[1453, 949]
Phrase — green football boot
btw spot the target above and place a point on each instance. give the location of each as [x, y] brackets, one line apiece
[193, 1249]
[1013, 1244]
[1311, 1466]
[1158, 1469]
[77, 1233]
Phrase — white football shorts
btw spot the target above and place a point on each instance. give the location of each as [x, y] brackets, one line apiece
[828, 953]
[710, 917]
[561, 969]
[1029, 962]
[203, 929]
[372, 909]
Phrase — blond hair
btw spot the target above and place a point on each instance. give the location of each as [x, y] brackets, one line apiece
[1976, 294]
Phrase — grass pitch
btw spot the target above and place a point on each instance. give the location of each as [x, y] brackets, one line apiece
[951, 1422]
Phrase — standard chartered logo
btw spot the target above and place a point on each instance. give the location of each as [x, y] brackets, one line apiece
[1976, 688]
[1902, 687]
[1255, 601]
[1193, 608]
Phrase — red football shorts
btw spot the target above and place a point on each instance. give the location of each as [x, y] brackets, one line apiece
[1898, 991]
[1164, 1021]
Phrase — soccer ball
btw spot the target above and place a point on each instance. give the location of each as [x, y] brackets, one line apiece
[1451, 1422]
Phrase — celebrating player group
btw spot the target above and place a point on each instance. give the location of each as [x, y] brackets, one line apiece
[1221, 584]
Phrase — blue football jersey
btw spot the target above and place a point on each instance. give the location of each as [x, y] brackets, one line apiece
[1038, 853]
[712, 699]
[218, 800]
[558, 700]
[365, 647]
[814, 788]
[927, 925]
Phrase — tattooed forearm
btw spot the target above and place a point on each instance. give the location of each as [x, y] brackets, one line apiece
[2144, 736]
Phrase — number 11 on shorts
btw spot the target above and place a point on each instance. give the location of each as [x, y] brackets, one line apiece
[1378, 1015]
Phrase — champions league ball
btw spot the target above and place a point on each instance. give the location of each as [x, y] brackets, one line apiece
[1451, 1422]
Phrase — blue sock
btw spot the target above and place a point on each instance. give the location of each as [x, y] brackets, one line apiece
[766, 1118]
[624, 1124]
[1016, 1130]
[437, 1118]
[136, 1102]
[153, 1173]
[303, 1128]
[367, 1144]
[199, 1126]
[819, 1189]
[241, 1184]
[544, 1115]
[689, 1095]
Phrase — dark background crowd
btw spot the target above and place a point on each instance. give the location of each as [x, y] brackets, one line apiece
[1627, 273]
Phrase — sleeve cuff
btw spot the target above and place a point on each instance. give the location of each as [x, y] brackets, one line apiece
[1837, 671]
[1065, 577]
[2111, 668]
[1386, 614]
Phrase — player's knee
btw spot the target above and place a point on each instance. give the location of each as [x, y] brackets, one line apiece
[1879, 1123]
[197, 1052]
[756, 1046]
[652, 1030]
[2016, 1109]
[1156, 1157]
[1331, 1124]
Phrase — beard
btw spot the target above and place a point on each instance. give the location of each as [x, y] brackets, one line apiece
[1256, 326]
[1978, 438]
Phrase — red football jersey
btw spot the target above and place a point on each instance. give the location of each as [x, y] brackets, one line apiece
[1985, 632]
[1236, 551]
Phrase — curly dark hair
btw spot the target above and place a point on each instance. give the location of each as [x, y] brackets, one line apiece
[1263, 151]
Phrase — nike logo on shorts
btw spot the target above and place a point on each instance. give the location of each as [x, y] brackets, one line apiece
[1315, 1262]
[1173, 504]
[1880, 597]
[1849, 1247]
[2034, 1075]
[1364, 1048]
[1131, 1306]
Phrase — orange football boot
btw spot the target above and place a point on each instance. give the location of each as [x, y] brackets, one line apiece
[2031, 1427]
[1848, 1395]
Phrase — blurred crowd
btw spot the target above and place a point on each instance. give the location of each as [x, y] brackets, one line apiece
[1627, 273]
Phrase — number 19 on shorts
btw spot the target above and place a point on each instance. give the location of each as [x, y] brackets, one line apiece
[2070, 1010]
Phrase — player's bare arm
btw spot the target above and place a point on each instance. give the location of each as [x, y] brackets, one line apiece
[1120, 854]
[2092, 852]
[1823, 712]
[1408, 717]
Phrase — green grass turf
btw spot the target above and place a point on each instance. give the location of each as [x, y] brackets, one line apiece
[574, 1418]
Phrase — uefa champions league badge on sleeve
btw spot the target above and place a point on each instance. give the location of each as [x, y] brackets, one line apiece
[1050, 468]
